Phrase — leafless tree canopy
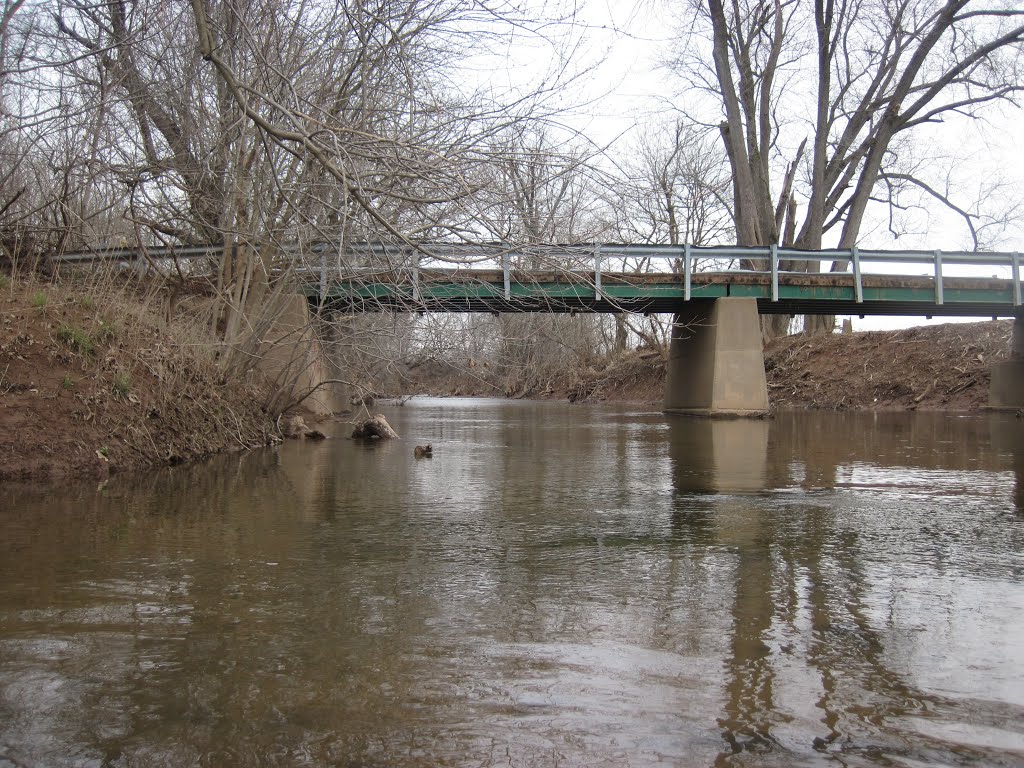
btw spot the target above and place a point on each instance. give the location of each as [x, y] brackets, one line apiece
[262, 126]
[874, 73]
[827, 104]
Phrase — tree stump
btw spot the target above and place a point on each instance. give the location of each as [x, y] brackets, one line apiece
[293, 427]
[374, 427]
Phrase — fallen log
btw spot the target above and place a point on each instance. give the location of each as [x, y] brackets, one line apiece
[374, 427]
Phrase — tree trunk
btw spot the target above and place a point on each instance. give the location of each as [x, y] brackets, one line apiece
[374, 427]
[819, 325]
[621, 333]
[774, 327]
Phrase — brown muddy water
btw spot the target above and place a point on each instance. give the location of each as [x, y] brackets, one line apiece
[558, 586]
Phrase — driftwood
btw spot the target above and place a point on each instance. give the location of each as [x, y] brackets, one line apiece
[374, 427]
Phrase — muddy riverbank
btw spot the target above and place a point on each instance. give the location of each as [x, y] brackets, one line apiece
[91, 383]
[96, 382]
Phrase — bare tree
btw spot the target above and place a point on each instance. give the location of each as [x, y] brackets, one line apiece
[323, 122]
[873, 72]
[20, 118]
[672, 187]
[539, 187]
[541, 191]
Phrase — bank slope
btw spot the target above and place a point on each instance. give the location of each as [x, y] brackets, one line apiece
[90, 384]
[941, 367]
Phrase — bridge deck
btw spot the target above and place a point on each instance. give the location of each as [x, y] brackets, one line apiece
[474, 290]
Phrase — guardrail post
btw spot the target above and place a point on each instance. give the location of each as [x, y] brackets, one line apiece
[597, 273]
[1015, 272]
[506, 261]
[858, 285]
[775, 271]
[938, 277]
[687, 271]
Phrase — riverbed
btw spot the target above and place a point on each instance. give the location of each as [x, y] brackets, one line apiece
[558, 585]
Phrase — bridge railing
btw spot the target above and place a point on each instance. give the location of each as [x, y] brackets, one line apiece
[769, 260]
[324, 263]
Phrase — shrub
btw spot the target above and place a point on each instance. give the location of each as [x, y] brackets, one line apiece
[76, 338]
[39, 299]
[107, 330]
[122, 385]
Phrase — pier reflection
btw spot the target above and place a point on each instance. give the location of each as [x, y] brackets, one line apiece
[803, 504]
[719, 455]
[1008, 440]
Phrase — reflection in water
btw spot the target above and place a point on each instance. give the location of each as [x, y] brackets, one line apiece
[809, 584]
[718, 456]
[557, 586]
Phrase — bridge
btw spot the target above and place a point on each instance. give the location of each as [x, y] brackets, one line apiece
[716, 366]
[716, 363]
[664, 279]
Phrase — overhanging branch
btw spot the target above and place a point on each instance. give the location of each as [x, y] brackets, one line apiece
[942, 198]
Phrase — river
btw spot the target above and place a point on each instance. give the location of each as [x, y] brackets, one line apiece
[558, 586]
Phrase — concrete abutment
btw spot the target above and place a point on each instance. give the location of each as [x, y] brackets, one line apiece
[716, 360]
[295, 361]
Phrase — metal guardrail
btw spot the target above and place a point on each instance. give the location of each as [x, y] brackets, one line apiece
[595, 259]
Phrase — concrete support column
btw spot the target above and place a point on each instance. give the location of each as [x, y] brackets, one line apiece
[1007, 387]
[716, 362]
[339, 393]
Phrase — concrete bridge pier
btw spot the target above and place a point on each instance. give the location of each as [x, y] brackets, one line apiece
[716, 361]
[1006, 389]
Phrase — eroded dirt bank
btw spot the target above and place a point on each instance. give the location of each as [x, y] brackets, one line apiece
[91, 385]
[942, 367]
